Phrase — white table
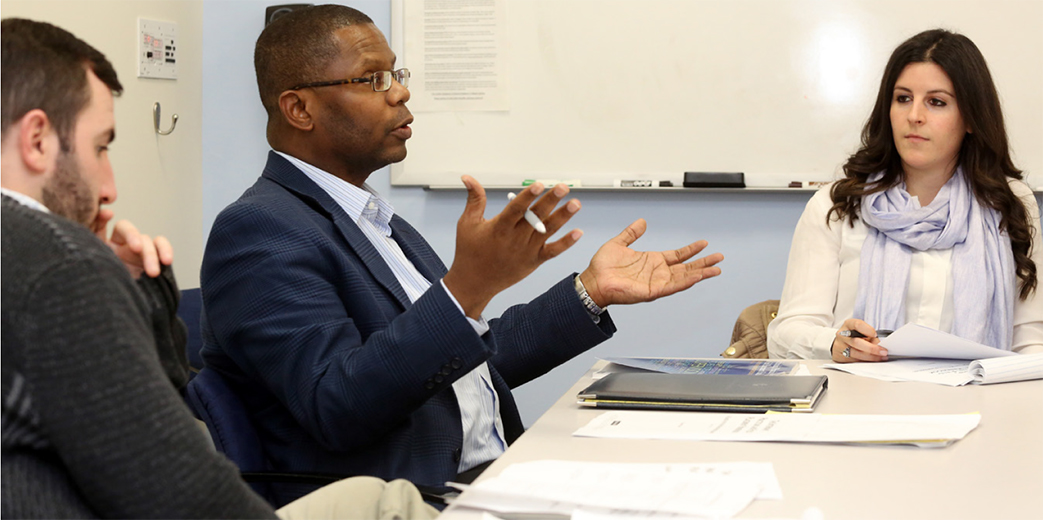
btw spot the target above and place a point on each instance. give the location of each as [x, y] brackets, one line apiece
[994, 472]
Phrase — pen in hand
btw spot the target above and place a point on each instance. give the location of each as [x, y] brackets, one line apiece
[531, 217]
[856, 334]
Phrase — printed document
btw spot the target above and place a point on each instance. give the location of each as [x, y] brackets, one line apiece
[719, 490]
[458, 54]
[950, 372]
[927, 431]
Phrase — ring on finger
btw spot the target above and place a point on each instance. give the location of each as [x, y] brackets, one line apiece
[846, 352]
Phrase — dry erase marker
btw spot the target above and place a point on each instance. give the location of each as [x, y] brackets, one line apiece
[856, 334]
[531, 218]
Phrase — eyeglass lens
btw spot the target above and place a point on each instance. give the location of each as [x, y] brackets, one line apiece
[382, 79]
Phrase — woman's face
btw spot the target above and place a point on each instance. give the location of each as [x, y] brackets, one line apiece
[925, 120]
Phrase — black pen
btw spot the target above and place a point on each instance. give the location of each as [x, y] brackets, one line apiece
[856, 334]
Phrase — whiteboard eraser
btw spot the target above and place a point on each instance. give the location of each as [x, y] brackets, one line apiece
[714, 180]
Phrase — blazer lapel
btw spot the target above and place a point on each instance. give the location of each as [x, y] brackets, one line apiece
[417, 250]
[282, 172]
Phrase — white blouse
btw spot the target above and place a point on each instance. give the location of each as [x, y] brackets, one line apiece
[822, 280]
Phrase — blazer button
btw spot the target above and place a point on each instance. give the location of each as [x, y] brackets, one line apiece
[456, 455]
[430, 385]
[457, 363]
[439, 378]
[445, 370]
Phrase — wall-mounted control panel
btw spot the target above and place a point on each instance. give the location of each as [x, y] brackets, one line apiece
[157, 49]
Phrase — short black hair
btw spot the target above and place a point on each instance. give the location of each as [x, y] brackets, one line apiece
[295, 45]
[45, 67]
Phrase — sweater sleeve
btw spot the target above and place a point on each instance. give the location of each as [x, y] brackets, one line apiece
[169, 332]
[128, 442]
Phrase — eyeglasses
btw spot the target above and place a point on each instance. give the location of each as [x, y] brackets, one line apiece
[380, 81]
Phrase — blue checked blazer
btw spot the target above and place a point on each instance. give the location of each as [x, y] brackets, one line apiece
[339, 371]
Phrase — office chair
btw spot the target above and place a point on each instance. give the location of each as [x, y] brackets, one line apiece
[750, 335]
[213, 402]
[231, 430]
[234, 435]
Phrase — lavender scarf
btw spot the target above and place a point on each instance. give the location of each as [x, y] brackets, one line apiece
[982, 260]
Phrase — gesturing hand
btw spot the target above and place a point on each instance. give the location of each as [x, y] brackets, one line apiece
[494, 254]
[618, 274]
[139, 252]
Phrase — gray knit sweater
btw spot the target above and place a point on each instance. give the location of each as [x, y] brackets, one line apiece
[92, 426]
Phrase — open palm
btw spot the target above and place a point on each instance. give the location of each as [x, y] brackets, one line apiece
[619, 274]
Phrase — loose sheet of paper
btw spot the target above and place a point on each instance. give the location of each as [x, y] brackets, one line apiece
[917, 341]
[918, 430]
[553, 486]
[949, 372]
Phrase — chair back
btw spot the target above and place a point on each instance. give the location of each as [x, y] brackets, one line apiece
[189, 309]
[229, 424]
[750, 335]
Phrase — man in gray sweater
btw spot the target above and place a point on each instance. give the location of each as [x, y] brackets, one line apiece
[92, 426]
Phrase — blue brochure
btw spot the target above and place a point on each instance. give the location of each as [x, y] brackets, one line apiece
[758, 367]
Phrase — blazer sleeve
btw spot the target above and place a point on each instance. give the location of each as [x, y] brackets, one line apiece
[551, 329]
[804, 325]
[286, 304]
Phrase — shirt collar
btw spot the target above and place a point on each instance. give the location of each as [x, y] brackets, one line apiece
[357, 202]
[25, 200]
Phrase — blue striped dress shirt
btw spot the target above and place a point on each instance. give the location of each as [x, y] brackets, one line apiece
[479, 404]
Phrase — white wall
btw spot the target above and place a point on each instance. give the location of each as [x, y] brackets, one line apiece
[158, 178]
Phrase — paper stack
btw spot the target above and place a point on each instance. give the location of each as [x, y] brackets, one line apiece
[919, 353]
[719, 490]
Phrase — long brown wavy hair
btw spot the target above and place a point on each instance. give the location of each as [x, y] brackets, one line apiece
[984, 153]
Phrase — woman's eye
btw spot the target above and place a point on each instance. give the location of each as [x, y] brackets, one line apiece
[902, 98]
[937, 102]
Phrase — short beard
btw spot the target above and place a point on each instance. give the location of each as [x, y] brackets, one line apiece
[67, 194]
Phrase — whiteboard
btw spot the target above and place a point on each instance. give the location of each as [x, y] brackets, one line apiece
[648, 89]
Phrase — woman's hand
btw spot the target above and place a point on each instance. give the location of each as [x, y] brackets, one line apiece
[849, 346]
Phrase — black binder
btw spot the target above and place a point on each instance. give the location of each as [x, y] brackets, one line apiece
[705, 392]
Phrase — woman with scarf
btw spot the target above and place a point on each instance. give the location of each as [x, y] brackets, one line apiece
[930, 225]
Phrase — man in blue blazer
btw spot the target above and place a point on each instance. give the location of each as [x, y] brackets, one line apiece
[353, 347]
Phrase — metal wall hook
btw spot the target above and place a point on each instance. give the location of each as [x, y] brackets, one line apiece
[155, 120]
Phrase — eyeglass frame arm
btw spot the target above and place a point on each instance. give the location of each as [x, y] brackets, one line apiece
[370, 80]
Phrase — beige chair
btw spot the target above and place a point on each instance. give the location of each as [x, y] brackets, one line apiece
[750, 336]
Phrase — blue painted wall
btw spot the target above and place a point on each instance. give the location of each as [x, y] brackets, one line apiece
[752, 230]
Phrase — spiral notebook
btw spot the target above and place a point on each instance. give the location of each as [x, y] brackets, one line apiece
[705, 392]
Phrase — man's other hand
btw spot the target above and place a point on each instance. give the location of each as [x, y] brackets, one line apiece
[618, 274]
[494, 254]
[139, 252]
